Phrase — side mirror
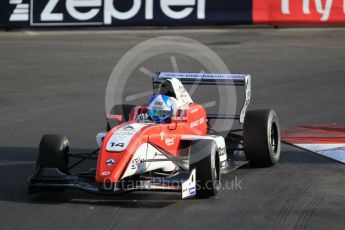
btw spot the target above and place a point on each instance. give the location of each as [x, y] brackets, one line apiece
[113, 120]
[113, 117]
[99, 138]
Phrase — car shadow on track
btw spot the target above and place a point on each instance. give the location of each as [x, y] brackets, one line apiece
[17, 164]
[131, 200]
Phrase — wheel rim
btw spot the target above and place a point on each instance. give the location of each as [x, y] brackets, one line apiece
[217, 173]
[274, 139]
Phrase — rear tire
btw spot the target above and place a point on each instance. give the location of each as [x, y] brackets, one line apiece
[205, 159]
[53, 152]
[261, 136]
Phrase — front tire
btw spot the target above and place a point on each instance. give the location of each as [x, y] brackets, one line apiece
[53, 152]
[261, 136]
[205, 159]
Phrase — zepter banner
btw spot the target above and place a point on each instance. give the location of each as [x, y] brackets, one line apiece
[124, 12]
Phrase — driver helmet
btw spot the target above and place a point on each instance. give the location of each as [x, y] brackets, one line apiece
[160, 108]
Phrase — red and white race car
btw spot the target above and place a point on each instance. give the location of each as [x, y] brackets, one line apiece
[179, 155]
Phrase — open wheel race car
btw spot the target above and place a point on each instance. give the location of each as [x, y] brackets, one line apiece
[179, 153]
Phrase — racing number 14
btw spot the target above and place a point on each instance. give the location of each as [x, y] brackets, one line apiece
[118, 144]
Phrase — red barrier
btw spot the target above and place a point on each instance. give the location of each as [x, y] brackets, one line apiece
[299, 12]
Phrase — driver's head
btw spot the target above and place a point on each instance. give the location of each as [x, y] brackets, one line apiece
[160, 108]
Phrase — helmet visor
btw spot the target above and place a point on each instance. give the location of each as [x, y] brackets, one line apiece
[159, 115]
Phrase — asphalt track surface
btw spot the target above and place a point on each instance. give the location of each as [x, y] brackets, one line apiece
[54, 82]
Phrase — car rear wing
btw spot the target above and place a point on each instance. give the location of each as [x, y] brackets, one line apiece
[212, 79]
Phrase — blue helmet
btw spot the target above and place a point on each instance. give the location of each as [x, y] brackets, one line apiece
[160, 108]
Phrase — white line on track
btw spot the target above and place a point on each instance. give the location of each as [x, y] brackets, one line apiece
[31, 33]
[9, 163]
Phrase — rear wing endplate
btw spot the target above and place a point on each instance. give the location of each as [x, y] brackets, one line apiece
[212, 79]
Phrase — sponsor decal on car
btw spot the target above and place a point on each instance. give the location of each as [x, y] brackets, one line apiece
[110, 162]
[192, 191]
[128, 127]
[202, 76]
[106, 173]
[170, 141]
[189, 186]
[162, 135]
[197, 122]
[121, 138]
[194, 110]
[221, 151]
[136, 163]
